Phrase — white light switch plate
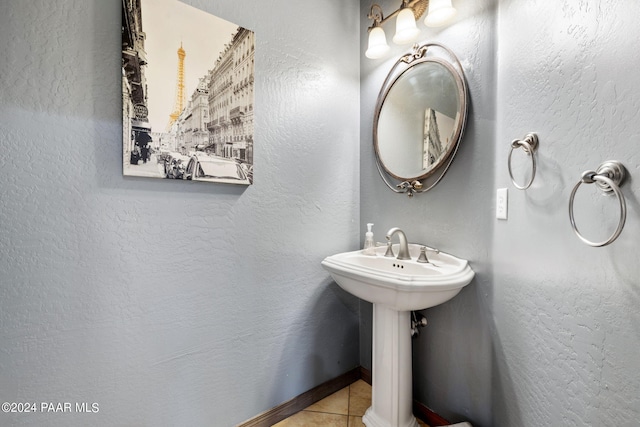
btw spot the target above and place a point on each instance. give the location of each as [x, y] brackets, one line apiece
[502, 203]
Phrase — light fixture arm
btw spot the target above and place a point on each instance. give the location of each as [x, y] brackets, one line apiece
[376, 15]
[378, 18]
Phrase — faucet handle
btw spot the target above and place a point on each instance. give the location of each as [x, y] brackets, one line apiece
[389, 252]
[423, 255]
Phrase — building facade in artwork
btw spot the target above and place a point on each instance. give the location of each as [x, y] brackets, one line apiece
[196, 117]
[134, 85]
[231, 97]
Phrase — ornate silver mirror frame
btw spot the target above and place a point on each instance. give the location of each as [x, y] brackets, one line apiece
[424, 92]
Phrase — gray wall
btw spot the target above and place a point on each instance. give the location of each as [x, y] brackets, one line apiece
[548, 332]
[567, 325]
[171, 303]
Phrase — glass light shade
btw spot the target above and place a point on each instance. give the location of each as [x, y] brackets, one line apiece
[440, 12]
[406, 30]
[377, 44]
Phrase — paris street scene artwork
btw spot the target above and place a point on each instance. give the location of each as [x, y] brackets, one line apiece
[187, 94]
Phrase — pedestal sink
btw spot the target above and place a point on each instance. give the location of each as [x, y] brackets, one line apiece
[396, 287]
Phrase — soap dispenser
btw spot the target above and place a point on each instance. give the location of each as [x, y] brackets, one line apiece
[369, 244]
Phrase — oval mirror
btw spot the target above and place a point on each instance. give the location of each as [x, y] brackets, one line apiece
[420, 118]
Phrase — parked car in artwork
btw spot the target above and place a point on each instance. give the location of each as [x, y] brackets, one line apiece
[162, 156]
[215, 169]
[248, 169]
[175, 165]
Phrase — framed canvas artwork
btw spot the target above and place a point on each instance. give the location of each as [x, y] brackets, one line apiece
[187, 94]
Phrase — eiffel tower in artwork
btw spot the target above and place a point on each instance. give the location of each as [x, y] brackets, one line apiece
[180, 95]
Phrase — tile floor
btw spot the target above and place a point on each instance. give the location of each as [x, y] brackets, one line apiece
[343, 408]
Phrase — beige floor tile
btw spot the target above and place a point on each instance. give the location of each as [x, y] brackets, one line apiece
[314, 419]
[356, 422]
[359, 398]
[343, 408]
[337, 403]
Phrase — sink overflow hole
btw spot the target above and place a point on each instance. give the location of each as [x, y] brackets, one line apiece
[398, 266]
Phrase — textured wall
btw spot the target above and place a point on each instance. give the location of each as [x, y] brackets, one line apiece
[547, 334]
[566, 315]
[171, 303]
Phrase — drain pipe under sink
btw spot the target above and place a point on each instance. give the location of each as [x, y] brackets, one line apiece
[417, 321]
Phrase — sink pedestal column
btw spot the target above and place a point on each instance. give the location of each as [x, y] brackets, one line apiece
[392, 393]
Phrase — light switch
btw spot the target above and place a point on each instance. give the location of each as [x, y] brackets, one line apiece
[502, 203]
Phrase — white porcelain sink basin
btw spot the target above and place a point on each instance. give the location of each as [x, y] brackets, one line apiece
[397, 284]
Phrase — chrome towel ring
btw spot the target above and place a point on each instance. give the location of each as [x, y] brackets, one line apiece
[609, 176]
[529, 144]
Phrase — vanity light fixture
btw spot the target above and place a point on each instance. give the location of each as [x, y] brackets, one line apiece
[439, 13]
[406, 30]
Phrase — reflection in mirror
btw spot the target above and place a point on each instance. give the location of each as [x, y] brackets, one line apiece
[419, 118]
[419, 112]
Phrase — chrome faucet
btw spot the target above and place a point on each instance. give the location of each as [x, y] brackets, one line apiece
[403, 253]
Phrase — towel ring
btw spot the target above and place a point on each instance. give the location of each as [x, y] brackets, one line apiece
[609, 176]
[529, 144]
